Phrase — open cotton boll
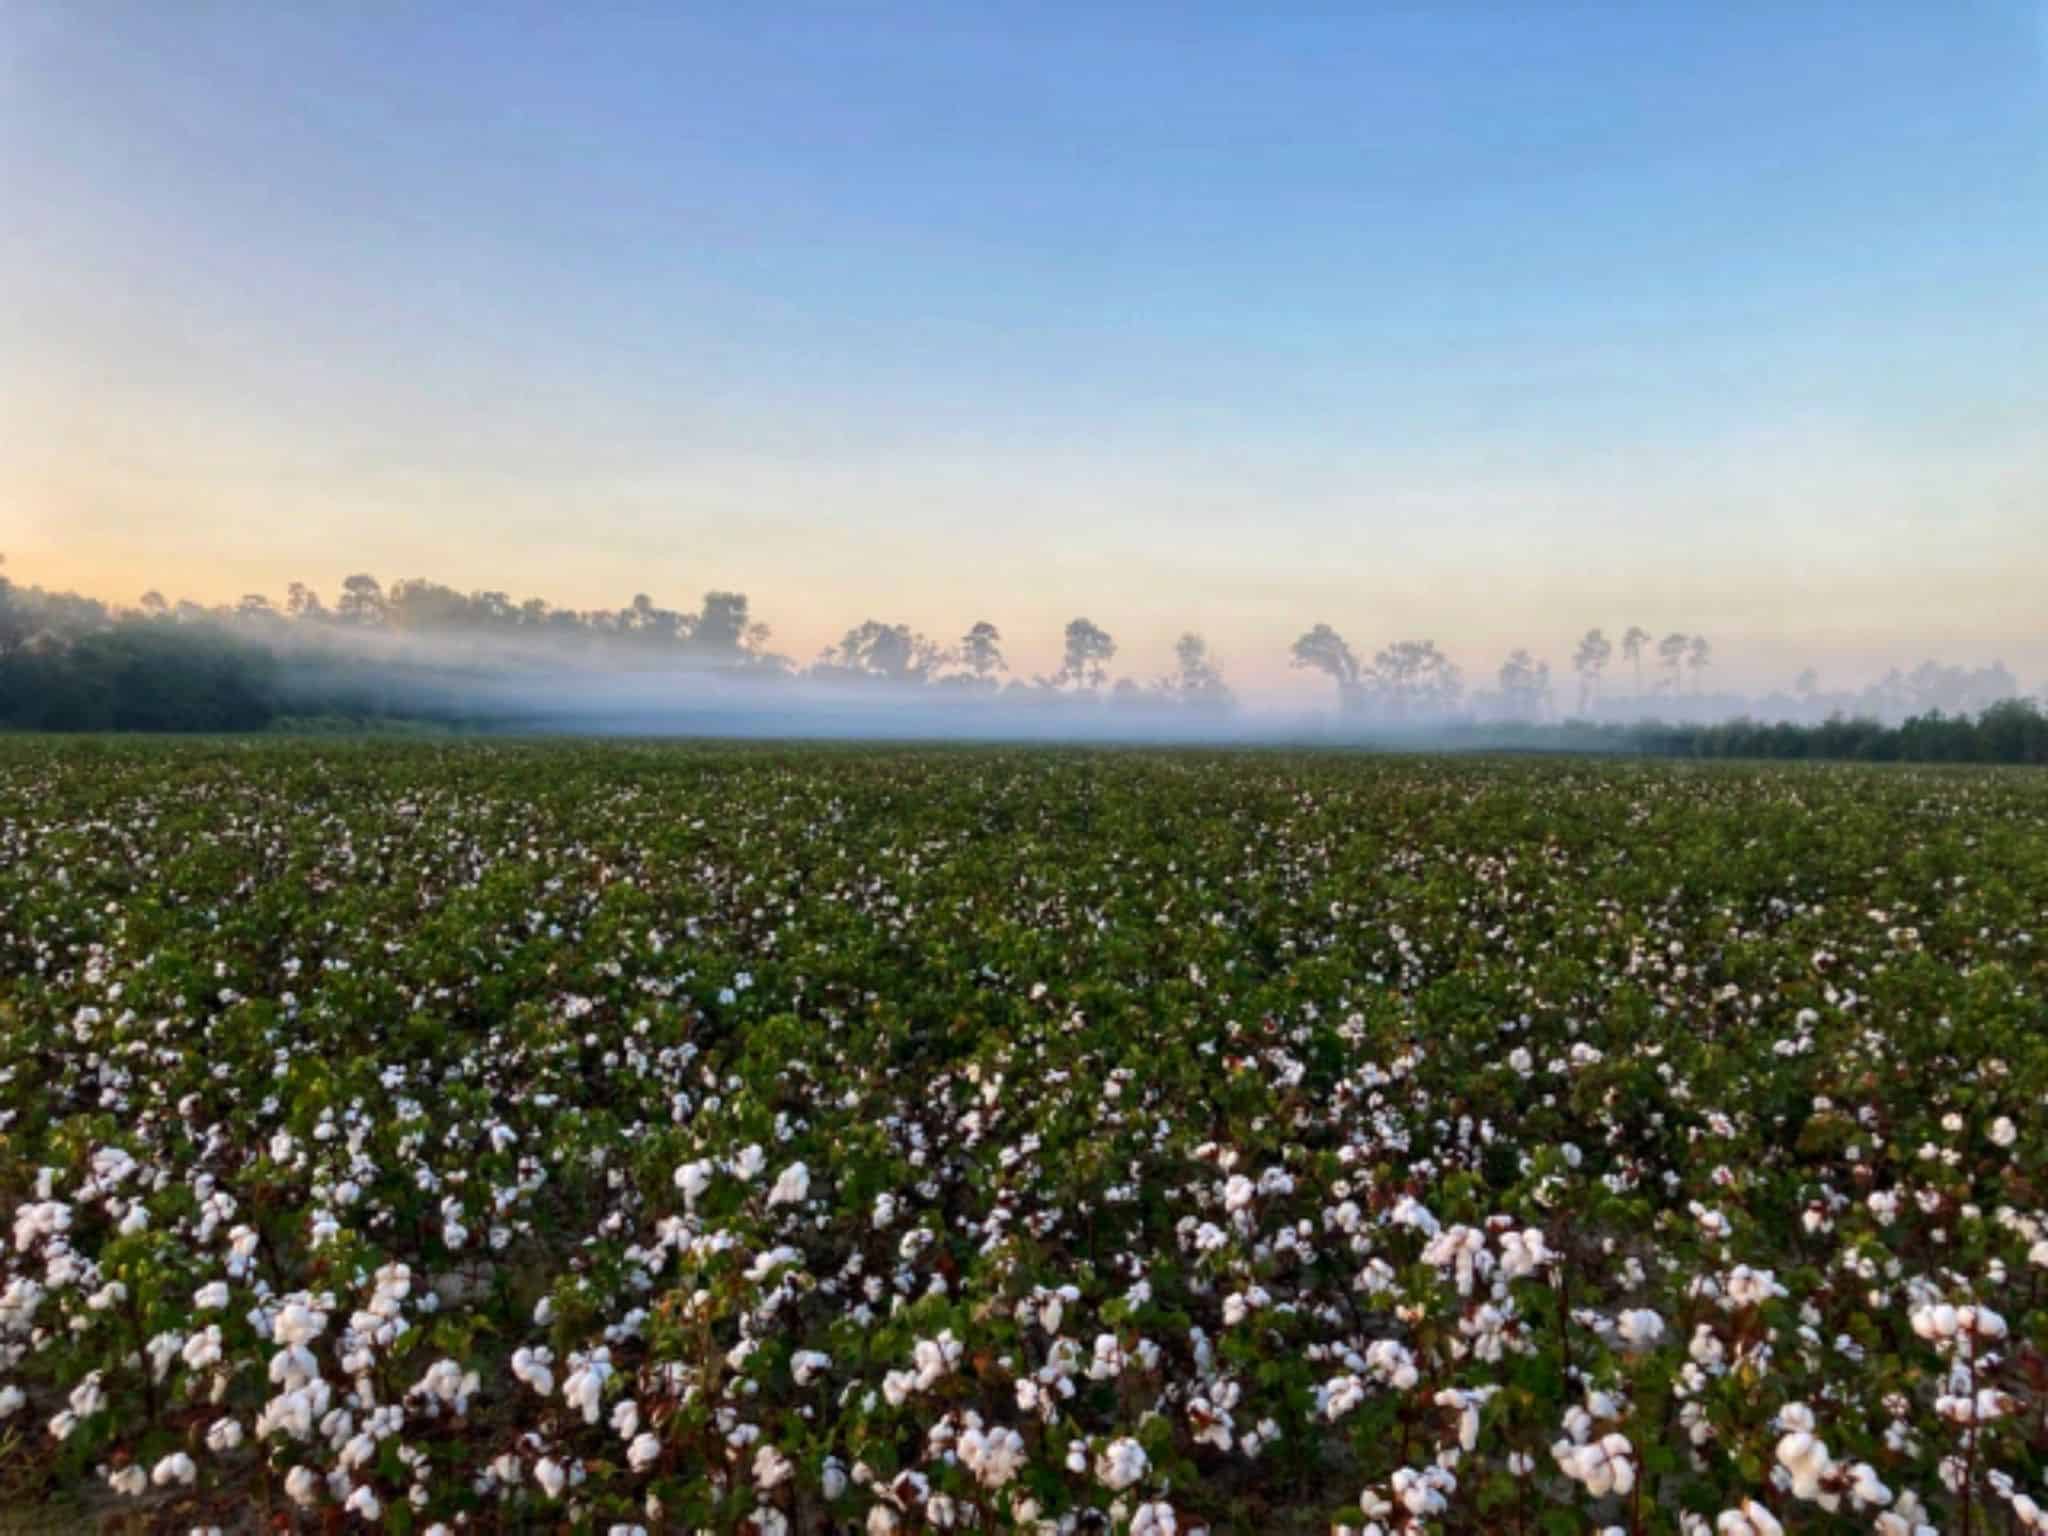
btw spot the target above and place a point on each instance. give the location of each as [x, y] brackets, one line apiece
[792, 1186]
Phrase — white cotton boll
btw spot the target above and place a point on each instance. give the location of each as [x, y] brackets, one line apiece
[1751, 1287]
[175, 1468]
[1640, 1329]
[302, 1486]
[533, 1366]
[792, 1186]
[296, 1324]
[1422, 1493]
[643, 1452]
[1340, 1396]
[1155, 1519]
[1752, 1519]
[363, 1502]
[1391, 1362]
[223, 1435]
[12, 1400]
[584, 1388]
[806, 1364]
[1523, 1253]
[42, 1219]
[935, 1358]
[130, 1481]
[1866, 1490]
[86, 1398]
[771, 1468]
[211, 1297]
[1620, 1460]
[549, 1474]
[1605, 1465]
[1121, 1463]
[293, 1367]
[749, 1163]
[203, 1348]
[1981, 1321]
[693, 1179]
[1935, 1322]
[994, 1456]
[110, 1295]
[1806, 1459]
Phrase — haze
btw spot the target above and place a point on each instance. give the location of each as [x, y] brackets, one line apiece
[1476, 322]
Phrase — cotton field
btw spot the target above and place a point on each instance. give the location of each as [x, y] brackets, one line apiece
[656, 1138]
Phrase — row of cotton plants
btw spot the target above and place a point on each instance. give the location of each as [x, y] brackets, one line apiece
[788, 1141]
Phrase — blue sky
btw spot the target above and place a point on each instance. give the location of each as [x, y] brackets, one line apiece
[1486, 322]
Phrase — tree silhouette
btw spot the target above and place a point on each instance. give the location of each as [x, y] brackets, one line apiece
[644, 621]
[887, 652]
[1632, 644]
[1697, 653]
[1524, 685]
[1085, 663]
[1589, 660]
[1197, 679]
[724, 632]
[1671, 654]
[361, 602]
[981, 653]
[1413, 676]
[1323, 650]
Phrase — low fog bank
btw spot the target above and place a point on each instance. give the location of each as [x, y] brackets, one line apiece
[426, 654]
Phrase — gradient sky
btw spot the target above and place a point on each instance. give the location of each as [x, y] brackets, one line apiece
[1480, 322]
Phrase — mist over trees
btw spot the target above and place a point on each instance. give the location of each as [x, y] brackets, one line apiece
[421, 650]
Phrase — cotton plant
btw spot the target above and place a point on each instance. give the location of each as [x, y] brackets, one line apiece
[546, 1135]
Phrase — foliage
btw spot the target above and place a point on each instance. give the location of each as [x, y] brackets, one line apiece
[2013, 731]
[771, 1140]
[139, 675]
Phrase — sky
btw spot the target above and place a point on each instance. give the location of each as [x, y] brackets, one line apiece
[1477, 322]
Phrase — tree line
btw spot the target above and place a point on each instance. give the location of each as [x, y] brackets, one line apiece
[414, 650]
[55, 644]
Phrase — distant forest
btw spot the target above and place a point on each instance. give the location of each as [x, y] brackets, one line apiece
[420, 654]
